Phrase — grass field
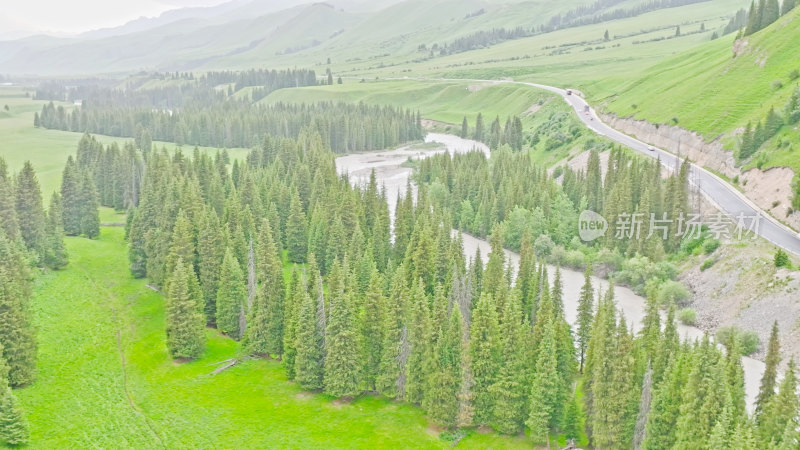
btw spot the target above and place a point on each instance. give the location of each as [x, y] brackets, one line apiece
[106, 380]
[47, 149]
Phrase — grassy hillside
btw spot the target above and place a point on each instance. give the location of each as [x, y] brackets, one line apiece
[106, 380]
[715, 89]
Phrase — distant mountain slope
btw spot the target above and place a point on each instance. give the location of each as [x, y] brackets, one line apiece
[719, 86]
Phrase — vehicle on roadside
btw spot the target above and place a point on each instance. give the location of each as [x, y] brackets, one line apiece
[651, 148]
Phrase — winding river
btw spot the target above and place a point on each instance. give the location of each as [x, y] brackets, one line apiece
[390, 172]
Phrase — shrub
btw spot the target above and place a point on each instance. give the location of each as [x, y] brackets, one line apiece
[673, 292]
[794, 74]
[710, 245]
[687, 316]
[707, 264]
[777, 84]
[543, 246]
[575, 259]
[781, 258]
[748, 340]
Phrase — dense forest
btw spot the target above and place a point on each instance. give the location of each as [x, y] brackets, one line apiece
[413, 318]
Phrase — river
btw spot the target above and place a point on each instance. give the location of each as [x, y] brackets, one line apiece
[389, 171]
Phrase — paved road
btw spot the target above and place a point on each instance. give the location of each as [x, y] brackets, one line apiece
[724, 196]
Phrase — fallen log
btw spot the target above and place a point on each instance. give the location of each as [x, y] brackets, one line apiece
[226, 365]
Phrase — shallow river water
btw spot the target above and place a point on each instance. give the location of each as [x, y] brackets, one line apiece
[393, 176]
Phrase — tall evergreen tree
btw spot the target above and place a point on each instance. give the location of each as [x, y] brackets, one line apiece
[185, 321]
[71, 194]
[342, 367]
[769, 379]
[13, 424]
[296, 234]
[231, 296]
[55, 255]
[781, 412]
[585, 315]
[484, 353]
[9, 222]
[89, 215]
[30, 212]
[264, 334]
[444, 403]
[372, 328]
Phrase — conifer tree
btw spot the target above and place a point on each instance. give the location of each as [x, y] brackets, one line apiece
[342, 366]
[71, 197]
[17, 338]
[782, 409]
[391, 370]
[510, 389]
[484, 353]
[185, 322]
[420, 340]
[296, 234]
[444, 404]
[8, 213]
[309, 358]
[89, 213]
[464, 128]
[13, 424]
[30, 212]
[372, 327]
[585, 314]
[292, 302]
[231, 296]
[547, 380]
[769, 379]
[478, 136]
[264, 334]
[55, 256]
[181, 246]
[210, 252]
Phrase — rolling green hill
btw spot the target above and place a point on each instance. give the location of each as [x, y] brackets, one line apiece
[717, 88]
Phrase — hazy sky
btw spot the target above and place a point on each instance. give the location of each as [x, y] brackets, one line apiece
[74, 16]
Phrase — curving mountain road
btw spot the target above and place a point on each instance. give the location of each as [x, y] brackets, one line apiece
[724, 196]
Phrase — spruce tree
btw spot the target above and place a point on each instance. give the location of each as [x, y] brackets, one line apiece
[55, 255]
[210, 252]
[510, 389]
[372, 327]
[30, 212]
[296, 234]
[769, 379]
[391, 369]
[13, 424]
[264, 334]
[464, 128]
[585, 315]
[185, 321]
[446, 378]
[294, 294]
[231, 296]
[16, 334]
[9, 222]
[310, 351]
[781, 410]
[342, 366]
[90, 215]
[71, 198]
[484, 353]
[420, 341]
